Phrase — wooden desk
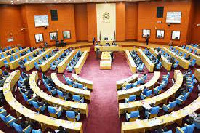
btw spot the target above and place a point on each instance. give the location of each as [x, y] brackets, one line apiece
[105, 56]
[131, 79]
[193, 56]
[83, 81]
[165, 63]
[165, 120]
[46, 65]
[149, 65]
[83, 107]
[182, 62]
[62, 65]
[72, 90]
[158, 99]
[193, 48]
[45, 121]
[122, 94]
[15, 64]
[130, 61]
[8, 57]
[5, 53]
[197, 74]
[108, 48]
[104, 42]
[30, 64]
[105, 65]
[81, 62]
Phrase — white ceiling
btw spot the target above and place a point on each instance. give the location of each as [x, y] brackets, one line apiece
[16, 2]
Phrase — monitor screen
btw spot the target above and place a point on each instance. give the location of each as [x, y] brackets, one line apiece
[173, 17]
[41, 20]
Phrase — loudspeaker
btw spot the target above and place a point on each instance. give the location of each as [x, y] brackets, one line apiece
[160, 12]
[54, 15]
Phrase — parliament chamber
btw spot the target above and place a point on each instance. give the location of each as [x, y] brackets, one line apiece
[99, 66]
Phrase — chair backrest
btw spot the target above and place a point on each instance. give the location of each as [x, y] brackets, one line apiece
[70, 114]
[76, 97]
[35, 104]
[17, 127]
[134, 114]
[173, 104]
[190, 128]
[132, 98]
[155, 110]
[52, 110]
[149, 93]
[60, 93]
[3, 117]
[36, 131]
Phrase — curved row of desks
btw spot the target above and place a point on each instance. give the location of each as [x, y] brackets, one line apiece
[45, 121]
[130, 61]
[82, 107]
[130, 79]
[182, 62]
[62, 65]
[8, 57]
[165, 63]
[46, 65]
[81, 62]
[122, 94]
[85, 82]
[197, 74]
[193, 56]
[193, 48]
[149, 65]
[67, 88]
[12, 49]
[30, 64]
[161, 98]
[14, 64]
[168, 119]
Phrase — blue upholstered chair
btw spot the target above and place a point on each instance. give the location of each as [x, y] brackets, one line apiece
[153, 112]
[30, 58]
[175, 65]
[158, 66]
[147, 94]
[62, 96]
[54, 112]
[10, 120]
[130, 99]
[157, 90]
[182, 98]
[53, 66]
[193, 62]
[68, 80]
[71, 116]
[6, 64]
[77, 98]
[132, 116]
[36, 66]
[184, 56]
[19, 129]
[37, 131]
[185, 129]
[37, 107]
[169, 107]
[140, 67]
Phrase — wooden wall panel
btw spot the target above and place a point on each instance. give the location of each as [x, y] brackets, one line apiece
[81, 22]
[147, 19]
[120, 21]
[65, 22]
[92, 21]
[131, 23]
[11, 25]
[196, 20]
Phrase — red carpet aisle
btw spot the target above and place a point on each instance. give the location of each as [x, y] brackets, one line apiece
[103, 108]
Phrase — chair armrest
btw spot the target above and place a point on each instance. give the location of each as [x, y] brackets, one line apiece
[26, 128]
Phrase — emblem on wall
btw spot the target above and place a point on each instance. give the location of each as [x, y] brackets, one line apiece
[106, 17]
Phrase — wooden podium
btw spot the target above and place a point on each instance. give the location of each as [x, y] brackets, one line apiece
[106, 61]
